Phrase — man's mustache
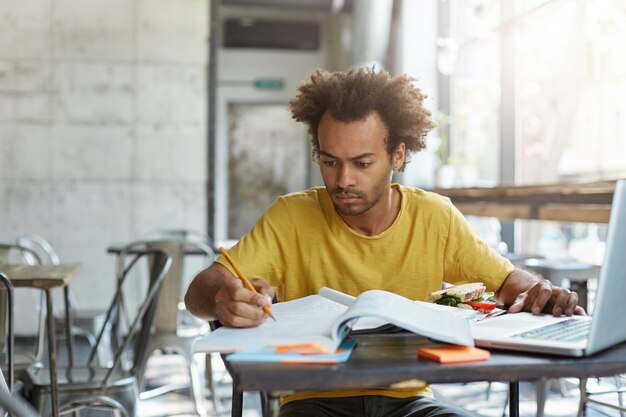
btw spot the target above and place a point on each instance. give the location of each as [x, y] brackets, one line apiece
[348, 191]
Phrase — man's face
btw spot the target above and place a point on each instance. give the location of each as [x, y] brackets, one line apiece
[354, 162]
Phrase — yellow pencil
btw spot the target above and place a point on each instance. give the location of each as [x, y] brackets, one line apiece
[249, 286]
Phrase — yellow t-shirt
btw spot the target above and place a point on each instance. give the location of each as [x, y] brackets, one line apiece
[300, 244]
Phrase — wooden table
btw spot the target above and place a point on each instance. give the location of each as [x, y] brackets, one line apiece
[47, 278]
[588, 202]
[383, 361]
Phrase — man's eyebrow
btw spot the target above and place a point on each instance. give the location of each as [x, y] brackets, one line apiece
[352, 158]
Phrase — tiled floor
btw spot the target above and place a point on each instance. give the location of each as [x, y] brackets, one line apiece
[170, 370]
[477, 397]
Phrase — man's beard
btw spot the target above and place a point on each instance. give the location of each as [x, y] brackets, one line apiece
[368, 199]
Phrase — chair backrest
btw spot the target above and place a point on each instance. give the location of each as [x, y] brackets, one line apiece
[127, 270]
[15, 253]
[177, 242]
[166, 313]
[10, 342]
[41, 246]
[192, 238]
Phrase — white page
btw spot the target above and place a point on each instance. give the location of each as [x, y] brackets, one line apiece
[293, 325]
[337, 296]
[310, 303]
[410, 315]
[372, 323]
[365, 323]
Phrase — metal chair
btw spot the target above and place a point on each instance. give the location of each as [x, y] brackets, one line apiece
[172, 330]
[85, 322]
[114, 387]
[13, 253]
[10, 336]
[586, 397]
[9, 402]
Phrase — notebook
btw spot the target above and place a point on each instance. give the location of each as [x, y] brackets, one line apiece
[526, 332]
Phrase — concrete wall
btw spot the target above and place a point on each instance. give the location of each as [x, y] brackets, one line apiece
[103, 125]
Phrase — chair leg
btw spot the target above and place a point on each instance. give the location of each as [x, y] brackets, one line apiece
[583, 397]
[542, 393]
[620, 400]
[140, 370]
[488, 391]
[210, 378]
[196, 385]
[273, 405]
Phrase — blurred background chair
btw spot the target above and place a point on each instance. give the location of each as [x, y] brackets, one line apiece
[86, 322]
[15, 254]
[175, 330]
[112, 387]
[588, 396]
[6, 315]
[10, 402]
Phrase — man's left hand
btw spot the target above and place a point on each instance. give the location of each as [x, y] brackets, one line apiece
[545, 297]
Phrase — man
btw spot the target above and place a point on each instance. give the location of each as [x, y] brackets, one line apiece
[361, 232]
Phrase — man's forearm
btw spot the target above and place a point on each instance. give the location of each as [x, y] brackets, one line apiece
[517, 282]
[200, 296]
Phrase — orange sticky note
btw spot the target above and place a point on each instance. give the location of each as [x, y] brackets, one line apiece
[302, 348]
[454, 354]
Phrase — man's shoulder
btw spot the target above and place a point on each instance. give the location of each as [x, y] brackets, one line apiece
[312, 195]
[424, 198]
[313, 199]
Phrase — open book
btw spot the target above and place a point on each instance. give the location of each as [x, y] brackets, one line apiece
[318, 323]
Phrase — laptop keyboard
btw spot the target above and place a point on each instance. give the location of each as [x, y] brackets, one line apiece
[571, 330]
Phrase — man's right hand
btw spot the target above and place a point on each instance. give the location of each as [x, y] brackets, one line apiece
[237, 306]
[216, 293]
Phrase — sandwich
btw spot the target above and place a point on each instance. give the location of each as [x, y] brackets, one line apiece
[470, 296]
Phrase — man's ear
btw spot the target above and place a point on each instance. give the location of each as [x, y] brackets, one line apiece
[397, 159]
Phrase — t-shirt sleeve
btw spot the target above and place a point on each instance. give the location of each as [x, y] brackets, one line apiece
[468, 257]
[260, 253]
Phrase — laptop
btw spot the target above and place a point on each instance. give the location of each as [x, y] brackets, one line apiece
[577, 335]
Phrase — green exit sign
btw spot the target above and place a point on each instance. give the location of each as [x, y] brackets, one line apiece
[269, 83]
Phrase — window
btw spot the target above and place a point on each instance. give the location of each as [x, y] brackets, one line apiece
[570, 84]
[474, 146]
[568, 68]
[571, 120]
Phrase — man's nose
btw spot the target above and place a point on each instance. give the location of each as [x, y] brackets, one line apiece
[345, 177]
